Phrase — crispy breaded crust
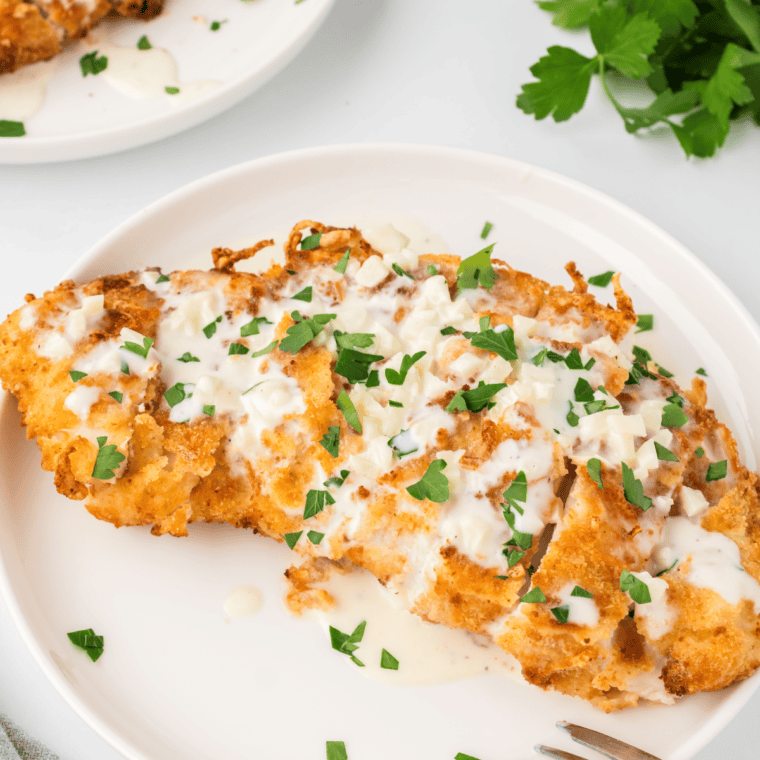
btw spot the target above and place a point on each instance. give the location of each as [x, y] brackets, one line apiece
[25, 36]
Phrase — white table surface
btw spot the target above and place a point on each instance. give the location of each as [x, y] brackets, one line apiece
[441, 72]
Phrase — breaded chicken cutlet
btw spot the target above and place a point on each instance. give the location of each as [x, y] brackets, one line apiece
[435, 420]
[35, 30]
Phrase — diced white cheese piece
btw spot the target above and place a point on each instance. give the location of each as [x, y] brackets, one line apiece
[352, 319]
[657, 586]
[647, 456]
[28, 317]
[651, 413]
[211, 391]
[405, 258]
[662, 503]
[92, 306]
[149, 279]
[523, 326]
[55, 346]
[630, 424]
[433, 386]
[194, 312]
[664, 437]
[693, 501]
[435, 292]
[385, 343]
[416, 321]
[529, 373]
[386, 238]
[593, 426]
[76, 325]
[622, 445]
[497, 371]
[373, 271]
[467, 365]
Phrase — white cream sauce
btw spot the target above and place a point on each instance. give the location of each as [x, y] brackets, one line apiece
[22, 93]
[243, 602]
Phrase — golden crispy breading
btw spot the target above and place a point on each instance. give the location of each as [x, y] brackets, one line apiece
[524, 509]
[25, 35]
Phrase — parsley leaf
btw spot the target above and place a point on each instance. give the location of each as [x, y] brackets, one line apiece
[303, 331]
[397, 377]
[217, 25]
[401, 272]
[303, 295]
[91, 64]
[702, 372]
[645, 322]
[582, 593]
[335, 750]
[487, 227]
[664, 454]
[209, 409]
[462, 756]
[477, 270]
[434, 485]
[340, 267]
[291, 539]
[348, 643]
[601, 280]
[210, 328]
[315, 537]
[117, 396]
[402, 444]
[353, 340]
[252, 327]
[534, 596]
[354, 365]
[561, 613]
[175, 394]
[76, 375]
[346, 406]
[310, 242]
[513, 556]
[237, 349]
[634, 490]
[673, 416]
[583, 391]
[136, 348]
[717, 471]
[335, 481]
[700, 452]
[188, 357]
[87, 640]
[144, 43]
[264, 351]
[316, 501]
[388, 661]
[594, 469]
[636, 588]
[501, 343]
[475, 399]
[107, 461]
[331, 440]
[12, 128]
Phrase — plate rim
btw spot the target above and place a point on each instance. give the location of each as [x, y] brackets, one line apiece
[94, 143]
[740, 692]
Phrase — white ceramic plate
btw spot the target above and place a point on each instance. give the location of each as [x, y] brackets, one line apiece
[177, 680]
[83, 117]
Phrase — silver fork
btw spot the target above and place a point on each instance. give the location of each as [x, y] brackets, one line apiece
[612, 748]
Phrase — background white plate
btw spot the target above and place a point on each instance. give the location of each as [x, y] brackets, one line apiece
[176, 680]
[85, 117]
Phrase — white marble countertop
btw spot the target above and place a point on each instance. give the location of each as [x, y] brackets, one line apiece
[380, 71]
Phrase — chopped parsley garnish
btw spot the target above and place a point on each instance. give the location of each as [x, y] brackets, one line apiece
[581, 593]
[487, 227]
[252, 327]
[594, 469]
[91, 64]
[353, 340]
[346, 406]
[667, 569]
[401, 272]
[310, 242]
[636, 588]
[388, 661]
[634, 490]
[290, 271]
[87, 640]
[335, 750]
[303, 331]
[397, 377]
[348, 643]
[513, 557]
[583, 390]
[316, 501]
[331, 441]
[210, 329]
[431, 270]
[664, 372]
[291, 539]
[561, 613]
[217, 25]
[397, 404]
[314, 537]
[572, 417]
[162, 278]
[354, 365]
[702, 372]
[449, 331]
[395, 444]
[676, 399]
[601, 280]
[700, 452]
[434, 485]
[188, 357]
[335, 481]
[117, 395]
[673, 416]
[124, 367]
[717, 471]
[573, 361]
[373, 380]
[304, 295]
[534, 596]
[172, 90]
[12, 128]
[484, 323]
[76, 375]
[475, 399]
[664, 454]
[107, 461]
[175, 394]
[477, 270]
[641, 355]
[598, 405]
[462, 756]
[645, 323]
[237, 349]
[545, 353]
[209, 409]
[340, 267]
[136, 348]
[501, 343]
[517, 490]
[144, 43]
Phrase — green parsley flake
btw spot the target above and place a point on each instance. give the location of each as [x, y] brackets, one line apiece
[601, 280]
[645, 323]
[87, 640]
[172, 90]
[513, 557]
[331, 441]
[449, 331]
[636, 588]
[462, 756]
[144, 43]
[175, 394]
[162, 278]
[314, 537]
[397, 404]
[107, 461]
[717, 471]
[335, 481]
[388, 661]
[434, 485]
[583, 390]
[477, 270]
[209, 409]
[354, 365]
[373, 381]
[702, 372]
[12, 128]
[475, 399]
[397, 377]
[700, 452]
[136, 348]
[353, 340]
[264, 351]
[346, 406]
[124, 367]
[581, 593]
[252, 327]
[348, 644]
[517, 489]
[117, 395]
[76, 375]
[561, 613]
[310, 242]
[594, 469]
[217, 25]
[304, 295]
[335, 750]
[664, 454]
[501, 343]
[291, 539]
[664, 372]
[91, 64]
[572, 417]
[431, 270]
[667, 569]
[634, 490]
[673, 416]
[210, 329]
[188, 357]
[316, 501]
[303, 331]
[237, 349]
[401, 444]
[534, 596]
[487, 227]
[340, 267]
[401, 272]
[573, 361]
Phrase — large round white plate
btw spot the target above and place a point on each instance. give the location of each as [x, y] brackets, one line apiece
[84, 117]
[177, 680]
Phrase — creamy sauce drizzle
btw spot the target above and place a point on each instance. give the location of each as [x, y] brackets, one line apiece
[243, 602]
[22, 93]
